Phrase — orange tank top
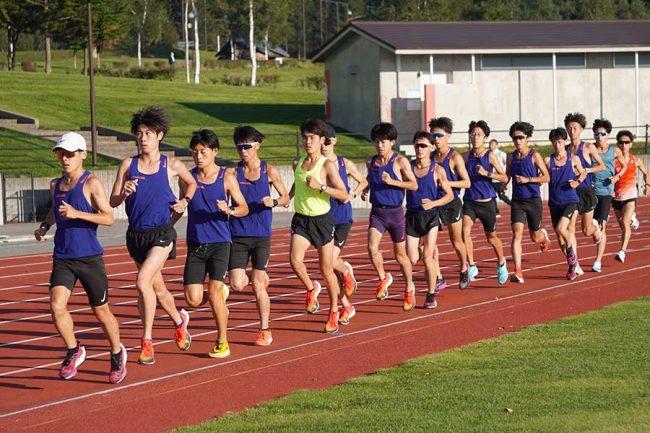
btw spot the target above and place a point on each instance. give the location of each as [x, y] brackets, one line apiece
[627, 183]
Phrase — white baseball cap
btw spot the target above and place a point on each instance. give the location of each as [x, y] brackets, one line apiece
[70, 141]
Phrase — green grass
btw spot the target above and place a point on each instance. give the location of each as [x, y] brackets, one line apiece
[22, 154]
[60, 101]
[587, 373]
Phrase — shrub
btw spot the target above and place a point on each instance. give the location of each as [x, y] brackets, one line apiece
[233, 80]
[316, 82]
[268, 80]
[28, 66]
[161, 64]
[121, 65]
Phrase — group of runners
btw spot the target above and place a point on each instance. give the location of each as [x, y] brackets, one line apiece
[230, 217]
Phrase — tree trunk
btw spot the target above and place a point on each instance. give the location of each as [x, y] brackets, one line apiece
[48, 48]
[266, 44]
[85, 71]
[251, 43]
[197, 53]
[186, 40]
[139, 49]
[74, 60]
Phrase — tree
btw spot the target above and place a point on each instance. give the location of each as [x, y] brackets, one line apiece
[17, 17]
[251, 43]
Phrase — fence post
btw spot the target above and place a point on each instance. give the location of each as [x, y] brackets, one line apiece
[646, 139]
[31, 176]
[3, 196]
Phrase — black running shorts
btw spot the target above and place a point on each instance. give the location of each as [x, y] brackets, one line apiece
[90, 271]
[485, 211]
[139, 242]
[562, 211]
[318, 230]
[527, 209]
[419, 224]
[206, 259]
[257, 249]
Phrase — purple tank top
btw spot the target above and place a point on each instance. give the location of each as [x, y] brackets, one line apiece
[481, 187]
[526, 168]
[427, 188]
[149, 206]
[586, 183]
[341, 212]
[258, 222]
[451, 176]
[382, 194]
[206, 224]
[74, 238]
[559, 191]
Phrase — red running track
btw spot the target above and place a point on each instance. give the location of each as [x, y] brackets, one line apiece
[188, 387]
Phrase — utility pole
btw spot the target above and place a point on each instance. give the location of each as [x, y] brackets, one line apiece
[304, 33]
[93, 125]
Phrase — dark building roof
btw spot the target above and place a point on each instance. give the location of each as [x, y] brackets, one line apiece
[496, 35]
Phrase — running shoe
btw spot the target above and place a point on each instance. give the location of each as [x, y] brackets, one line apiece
[441, 283]
[311, 302]
[463, 282]
[517, 276]
[430, 301]
[349, 282]
[146, 353]
[571, 272]
[571, 257]
[502, 273]
[579, 270]
[634, 223]
[546, 243]
[182, 337]
[118, 366]
[598, 234]
[73, 359]
[409, 300]
[264, 337]
[597, 267]
[226, 292]
[620, 256]
[383, 285]
[221, 349]
[332, 324]
[346, 314]
[473, 272]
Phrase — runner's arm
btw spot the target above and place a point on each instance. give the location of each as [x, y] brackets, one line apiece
[595, 156]
[177, 168]
[334, 185]
[240, 209]
[40, 232]
[276, 181]
[407, 180]
[461, 172]
[123, 187]
[618, 156]
[543, 175]
[354, 173]
[498, 173]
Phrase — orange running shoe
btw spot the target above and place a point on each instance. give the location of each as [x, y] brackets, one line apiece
[346, 314]
[349, 282]
[517, 277]
[264, 338]
[312, 298]
[383, 285]
[146, 354]
[409, 300]
[546, 243]
[332, 324]
[182, 337]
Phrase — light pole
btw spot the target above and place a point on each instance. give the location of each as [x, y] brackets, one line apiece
[194, 17]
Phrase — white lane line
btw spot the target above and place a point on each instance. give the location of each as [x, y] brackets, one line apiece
[311, 343]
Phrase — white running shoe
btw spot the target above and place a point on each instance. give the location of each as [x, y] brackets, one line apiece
[597, 267]
[634, 222]
[579, 270]
[620, 256]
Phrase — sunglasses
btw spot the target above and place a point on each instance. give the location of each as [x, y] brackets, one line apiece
[600, 134]
[438, 134]
[624, 142]
[519, 137]
[420, 145]
[244, 146]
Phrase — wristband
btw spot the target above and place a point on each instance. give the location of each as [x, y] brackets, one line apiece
[354, 195]
[275, 203]
[44, 225]
[188, 199]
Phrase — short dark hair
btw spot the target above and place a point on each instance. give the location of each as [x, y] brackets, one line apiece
[314, 126]
[247, 134]
[422, 134]
[205, 137]
[557, 134]
[156, 118]
[625, 133]
[575, 117]
[524, 127]
[479, 124]
[602, 123]
[383, 131]
[495, 141]
[444, 123]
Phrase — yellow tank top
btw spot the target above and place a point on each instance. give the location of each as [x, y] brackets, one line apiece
[308, 201]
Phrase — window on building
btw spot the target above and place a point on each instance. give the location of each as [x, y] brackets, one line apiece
[532, 61]
[626, 60]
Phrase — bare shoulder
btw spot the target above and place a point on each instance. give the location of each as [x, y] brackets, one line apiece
[295, 161]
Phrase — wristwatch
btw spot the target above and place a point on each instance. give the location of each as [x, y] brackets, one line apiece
[323, 187]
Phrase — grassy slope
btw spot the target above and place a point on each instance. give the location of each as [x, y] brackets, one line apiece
[582, 374]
